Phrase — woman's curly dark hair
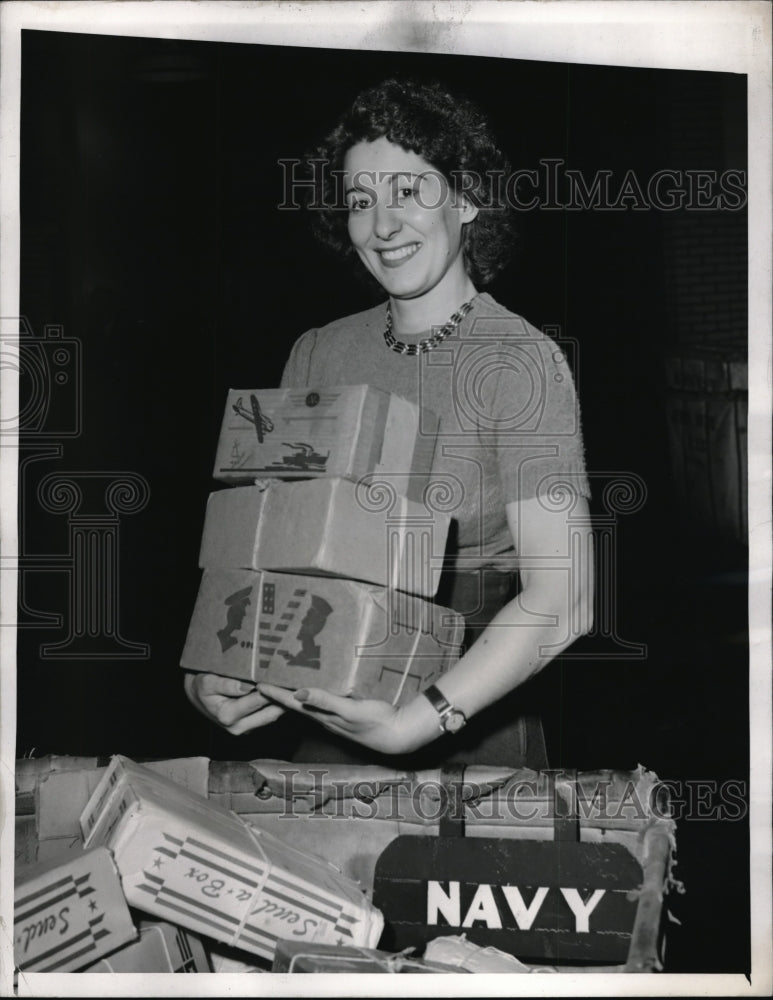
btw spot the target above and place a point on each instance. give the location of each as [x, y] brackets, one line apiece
[451, 134]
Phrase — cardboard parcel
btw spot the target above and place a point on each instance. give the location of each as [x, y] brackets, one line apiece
[162, 947]
[184, 859]
[349, 431]
[294, 631]
[61, 796]
[328, 527]
[69, 914]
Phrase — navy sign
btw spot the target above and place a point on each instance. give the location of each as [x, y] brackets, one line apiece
[538, 900]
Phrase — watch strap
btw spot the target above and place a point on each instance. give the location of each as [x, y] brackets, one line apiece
[437, 699]
[451, 719]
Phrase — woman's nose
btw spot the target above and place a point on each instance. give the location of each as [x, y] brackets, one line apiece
[387, 220]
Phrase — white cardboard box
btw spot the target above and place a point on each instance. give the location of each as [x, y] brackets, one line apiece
[185, 859]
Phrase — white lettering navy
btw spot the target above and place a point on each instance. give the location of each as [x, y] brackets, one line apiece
[582, 910]
[497, 906]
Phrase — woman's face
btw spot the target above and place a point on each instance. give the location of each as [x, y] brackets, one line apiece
[404, 222]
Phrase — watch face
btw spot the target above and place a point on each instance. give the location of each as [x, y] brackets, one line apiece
[454, 721]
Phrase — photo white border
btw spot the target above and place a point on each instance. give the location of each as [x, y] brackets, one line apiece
[724, 36]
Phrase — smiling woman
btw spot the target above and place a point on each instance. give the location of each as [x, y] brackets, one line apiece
[406, 226]
[421, 173]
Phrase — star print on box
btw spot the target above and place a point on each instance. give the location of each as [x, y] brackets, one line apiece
[66, 915]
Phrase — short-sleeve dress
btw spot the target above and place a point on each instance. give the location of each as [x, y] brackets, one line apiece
[509, 429]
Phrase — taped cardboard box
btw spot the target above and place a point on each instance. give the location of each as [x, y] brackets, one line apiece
[329, 527]
[348, 637]
[350, 431]
[292, 956]
[61, 796]
[31, 770]
[182, 858]
[162, 947]
[68, 915]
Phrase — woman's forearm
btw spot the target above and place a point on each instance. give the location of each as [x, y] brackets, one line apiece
[525, 635]
[519, 641]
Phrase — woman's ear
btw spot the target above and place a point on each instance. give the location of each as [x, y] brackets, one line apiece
[467, 210]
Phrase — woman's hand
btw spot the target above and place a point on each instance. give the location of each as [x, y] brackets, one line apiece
[235, 705]
[372, 723]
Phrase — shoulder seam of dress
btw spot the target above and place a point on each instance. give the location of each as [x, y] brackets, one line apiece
[504, 311]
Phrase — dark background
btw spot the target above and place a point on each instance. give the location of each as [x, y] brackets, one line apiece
[150, 232]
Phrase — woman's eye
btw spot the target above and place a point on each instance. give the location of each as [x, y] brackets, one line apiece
[358, 204]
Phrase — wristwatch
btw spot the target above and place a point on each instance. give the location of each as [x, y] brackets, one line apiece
[451, 719]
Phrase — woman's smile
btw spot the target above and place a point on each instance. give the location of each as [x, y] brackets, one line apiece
[397, 256]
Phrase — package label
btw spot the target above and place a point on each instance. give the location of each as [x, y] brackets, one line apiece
[291, 432]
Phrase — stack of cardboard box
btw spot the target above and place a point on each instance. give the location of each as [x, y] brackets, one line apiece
[324, 580]
[196, 869]
[320, 559]
[208, 888]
